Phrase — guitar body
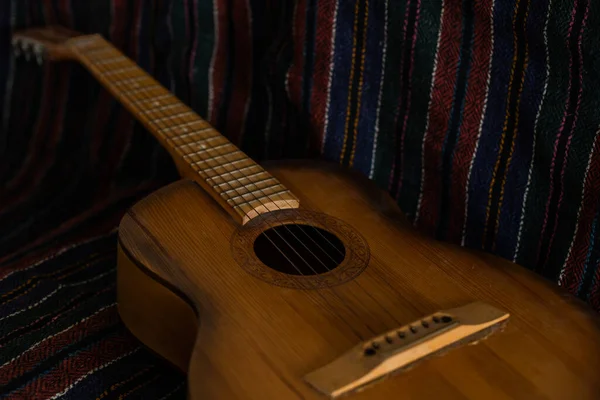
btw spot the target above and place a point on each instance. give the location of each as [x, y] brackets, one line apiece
[191, 287]
[302, 281]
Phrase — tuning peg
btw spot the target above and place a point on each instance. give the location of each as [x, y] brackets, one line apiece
[16, 45]
[38, 50]
[24, 48]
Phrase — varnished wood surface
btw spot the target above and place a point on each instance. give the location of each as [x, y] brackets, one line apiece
[241, 186]
[257, 341]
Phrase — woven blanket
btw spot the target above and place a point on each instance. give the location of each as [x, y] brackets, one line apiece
[61, 336]
[481, 117]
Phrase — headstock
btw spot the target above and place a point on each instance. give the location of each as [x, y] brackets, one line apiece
[46, 43]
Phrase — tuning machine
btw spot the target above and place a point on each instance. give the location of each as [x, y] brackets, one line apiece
[28, 49]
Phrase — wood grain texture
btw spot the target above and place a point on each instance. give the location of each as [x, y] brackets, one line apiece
[241, 186]
[257, 341]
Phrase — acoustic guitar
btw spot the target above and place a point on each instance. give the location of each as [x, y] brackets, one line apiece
[300, 280]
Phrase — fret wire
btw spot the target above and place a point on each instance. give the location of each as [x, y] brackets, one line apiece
[133, 79]
[257, 183]
[108, 61]
[142, 89]
[257, 198]
[212, 158]
[101, 55]
[219, 166]
[203, 140]
[87, 39]
[203, 148]
[83, 44]
[196, 162]
[248, 177]
[240, 201]
[163, 108]
[185, 125]
[168, 117]
[156, 122]
[132, 84]
[209, 178]
[251, 192]
[191, 135]
[140, 101]
[238, 170]
[111, 73]
[134, 101]
[147, 100]
[87, 49]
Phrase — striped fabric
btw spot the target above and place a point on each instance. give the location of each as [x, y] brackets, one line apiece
[61, 336]
[482, 118]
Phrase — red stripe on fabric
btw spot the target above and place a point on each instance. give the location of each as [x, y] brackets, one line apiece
[194, 51]
[35, 144]
[43, 153]
[119, 146]
[124, 126]
[74, 368]
[295, 71]
[219, 63]
[575, 263]
[189, 42]
[572, 130]
[125, 122]
[186, 18]
[103, 106]
[107, 223]
[322, 63]
[66, 12]
[74, 304]
[50, 17]
[472, 115]
[23, 117]
[406, 107]
[33, 356]
[105, 99]
[242, 73]
[439, 113]
[594, 297]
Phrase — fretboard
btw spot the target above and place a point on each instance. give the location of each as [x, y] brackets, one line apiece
[239, 184]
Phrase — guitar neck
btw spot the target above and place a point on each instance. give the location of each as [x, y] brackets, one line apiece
[241, 186]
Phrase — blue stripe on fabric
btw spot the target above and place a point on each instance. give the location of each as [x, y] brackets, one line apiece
[481, 176]
[309, 55]
[458, 105]
[371, 84]
[229, 68]
[340, 92]
[144, 39]
[5, 50]
[589, 253]
[531, 97]
[162, 39]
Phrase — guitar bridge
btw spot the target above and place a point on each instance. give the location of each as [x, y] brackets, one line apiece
[402, 347]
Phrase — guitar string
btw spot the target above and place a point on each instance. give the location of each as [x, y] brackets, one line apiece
[214, 167]
[224, 155]
[269, 196]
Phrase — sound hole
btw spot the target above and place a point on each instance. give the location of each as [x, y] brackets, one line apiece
[298, 249]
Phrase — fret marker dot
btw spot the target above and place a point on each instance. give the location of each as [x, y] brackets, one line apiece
[184, 129]
[157, 103]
